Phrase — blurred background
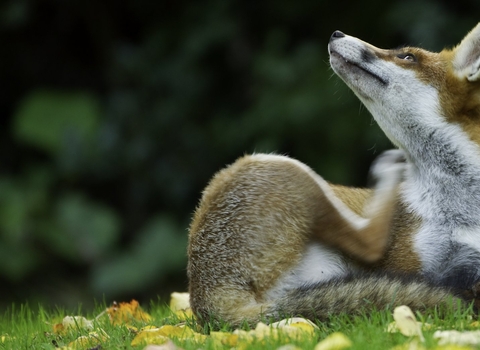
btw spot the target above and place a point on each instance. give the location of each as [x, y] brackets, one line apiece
[115, 114]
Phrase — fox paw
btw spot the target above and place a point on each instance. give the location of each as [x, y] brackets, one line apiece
[389, 166]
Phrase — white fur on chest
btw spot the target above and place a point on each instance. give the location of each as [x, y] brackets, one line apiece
[469, 237]
[319, 264]
[430, 245]
[434, 243]
[446, 199]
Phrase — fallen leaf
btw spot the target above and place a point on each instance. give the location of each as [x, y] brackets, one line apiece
[263, 331]
[179, 301]
[160, 335]
[299, 329]
[335, 341]
[293, 320]
[90, 340]
[58, 328]
[4, 337]
[184, 314]
[245, 337]
[292, 328]
[407, 323]
[393, 328]
[224, 338]
[260, 331]
[131, 328]
[72, 322]
[296, 326]
[257, 335]
[149, 336]
[475, 324]
[289, 347]
[77, 322]
[126, 312]
[169, 345]
[181, 332]
[457, 338]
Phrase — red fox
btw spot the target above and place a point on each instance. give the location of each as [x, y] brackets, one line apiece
[270, 237]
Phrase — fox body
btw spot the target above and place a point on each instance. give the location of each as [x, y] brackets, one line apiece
[270, 237]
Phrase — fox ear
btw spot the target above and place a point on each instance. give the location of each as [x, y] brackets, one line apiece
[466, 60]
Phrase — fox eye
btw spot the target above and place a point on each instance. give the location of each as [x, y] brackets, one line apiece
[407, 56]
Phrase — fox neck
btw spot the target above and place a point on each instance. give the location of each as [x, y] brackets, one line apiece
[442, 183]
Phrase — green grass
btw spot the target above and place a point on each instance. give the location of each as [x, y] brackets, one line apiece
[24, 328]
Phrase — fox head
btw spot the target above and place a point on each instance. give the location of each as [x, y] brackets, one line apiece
[427, 103]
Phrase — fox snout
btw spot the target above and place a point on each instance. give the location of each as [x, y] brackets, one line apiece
[358, 64]
[337, 34]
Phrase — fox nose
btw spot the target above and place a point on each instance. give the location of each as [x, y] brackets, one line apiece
[337, 35]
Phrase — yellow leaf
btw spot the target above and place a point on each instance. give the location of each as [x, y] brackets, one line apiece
[131, 328]
[335, 341]
[72, 322]
[77, 322]
[88, 341]
[169, 345]
[393, 328]
[292, 321]
[224, 338]
[181, 332]
[263, 331]
[244, 336]
[176, 331]
[184, 314]
[179, 301]
[457, 338]
[149, 336]
[165, 332]
[289, 347]
[289, 328]
[82, 342]
[297, 330]
[304, 327]
[407, 323]
[58, 328]
[475, 324]
[295, 327]
[127, 312]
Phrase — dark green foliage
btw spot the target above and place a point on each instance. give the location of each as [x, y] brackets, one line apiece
[116, 114]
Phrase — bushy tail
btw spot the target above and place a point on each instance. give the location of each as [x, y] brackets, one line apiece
[354, 294]
[360, 293]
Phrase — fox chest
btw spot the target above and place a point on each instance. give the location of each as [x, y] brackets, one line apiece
[449, 257]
